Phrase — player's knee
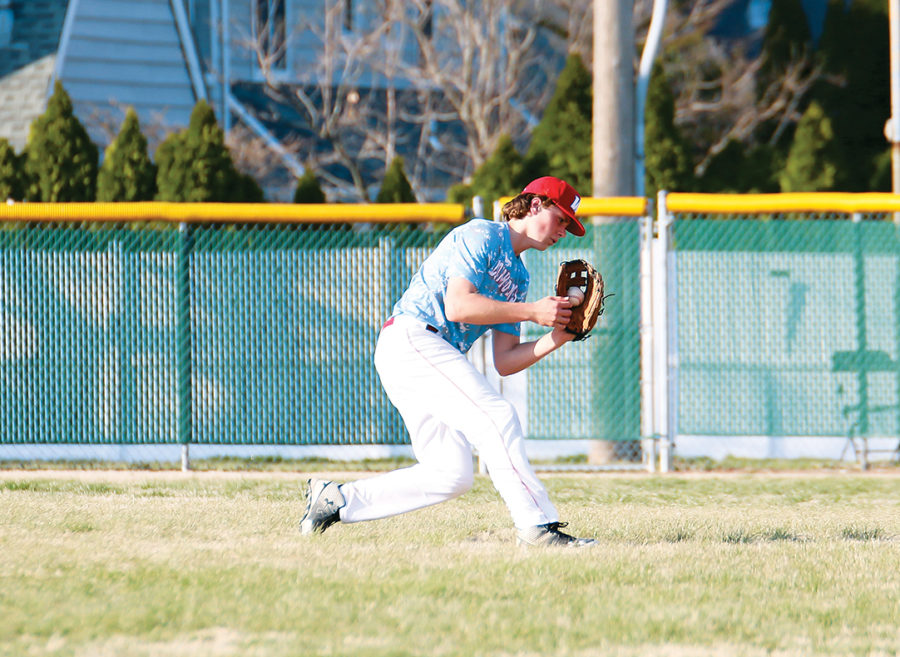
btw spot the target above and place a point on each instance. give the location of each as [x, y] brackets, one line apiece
[458, 483]
[506, 420]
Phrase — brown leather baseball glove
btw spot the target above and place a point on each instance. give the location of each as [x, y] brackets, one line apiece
[581, 274]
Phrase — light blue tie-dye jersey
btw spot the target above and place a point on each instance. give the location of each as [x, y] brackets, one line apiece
[481, 252]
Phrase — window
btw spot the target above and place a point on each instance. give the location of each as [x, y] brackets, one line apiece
[270, 30]
[348, 15]
[427, 20]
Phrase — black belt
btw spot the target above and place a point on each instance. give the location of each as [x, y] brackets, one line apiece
[428, 327]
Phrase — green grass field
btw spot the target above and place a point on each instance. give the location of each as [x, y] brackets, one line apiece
[160, 563]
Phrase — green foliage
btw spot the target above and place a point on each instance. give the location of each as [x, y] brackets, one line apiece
[787, 40]
[127, 174]
[461, 193]
[883, 176]
[812, 164]
[504, 173]
[667, 160]
[308, 189]
[395, 187]
[12, 173]
[171, 178]
[246, 189]
[855, 50]
[195, 166]
[829, 52]
[739, 168]
[562, 139]
[61, 160]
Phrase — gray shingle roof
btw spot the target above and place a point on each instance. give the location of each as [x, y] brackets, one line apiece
[26, 65]
[23, 97]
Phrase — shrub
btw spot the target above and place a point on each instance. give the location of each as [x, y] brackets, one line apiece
[395, 187]
[61, 161]
[12, 173]
[562, 139]
[127, 174]
[195, 166]
[308, 189]
[504, 173]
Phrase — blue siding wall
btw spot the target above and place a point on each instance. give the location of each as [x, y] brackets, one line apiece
[123, 53]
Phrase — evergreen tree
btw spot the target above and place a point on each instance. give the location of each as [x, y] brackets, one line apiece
[563, 137]
[460, 193]
[171, 181]
[786, 40]
[127, 174]
[195, 166]
[742, 169]
[61, 160]
[395, 187]
[12, 173]
[667, 161]
[812, 163]
[883, 175]
[829, 50]
[855, 49]
[246, 189]
[504, 173]
[308, 189]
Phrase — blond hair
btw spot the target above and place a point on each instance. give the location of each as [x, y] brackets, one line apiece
[519, 207]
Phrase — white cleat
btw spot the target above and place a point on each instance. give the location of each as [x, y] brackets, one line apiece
[549, 536]
[323, 502]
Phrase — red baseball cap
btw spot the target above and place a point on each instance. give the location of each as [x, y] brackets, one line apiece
[563, 196]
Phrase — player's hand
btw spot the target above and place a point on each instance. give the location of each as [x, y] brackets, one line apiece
[552, 311]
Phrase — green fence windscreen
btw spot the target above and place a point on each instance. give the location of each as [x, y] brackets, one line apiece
[787, 327]
[591, 389]
[260, 334]
[281, 326]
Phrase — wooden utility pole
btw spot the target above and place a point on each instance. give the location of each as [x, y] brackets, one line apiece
[613, 169]
[892, 129]
[613, 122]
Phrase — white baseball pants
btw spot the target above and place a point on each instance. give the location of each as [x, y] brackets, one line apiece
[448, 407]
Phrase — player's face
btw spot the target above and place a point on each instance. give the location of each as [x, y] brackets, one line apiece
[550, 226]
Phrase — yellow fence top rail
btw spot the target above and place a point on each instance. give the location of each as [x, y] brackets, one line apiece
[611, 206]
[234, 212]
[800, 202]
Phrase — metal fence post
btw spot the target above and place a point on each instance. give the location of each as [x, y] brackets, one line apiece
[859, 273]
[671, 346]
[183, 341]
[662, 379]
[648, 423]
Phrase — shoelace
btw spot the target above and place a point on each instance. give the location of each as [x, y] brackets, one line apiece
[553, 527]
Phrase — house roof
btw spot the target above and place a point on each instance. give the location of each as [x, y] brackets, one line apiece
[36, 27]
[23, 97]
[26, 65]
[111, 54]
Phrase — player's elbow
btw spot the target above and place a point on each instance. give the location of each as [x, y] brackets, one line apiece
[505, 367]
[455, 308]
[453, 311]
[459, 300]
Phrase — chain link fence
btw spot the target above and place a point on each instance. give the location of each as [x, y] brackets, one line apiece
[775, 332]
[125, 339]
[784, 334]
[591, 390]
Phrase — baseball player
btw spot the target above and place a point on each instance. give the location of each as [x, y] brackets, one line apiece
[473, 281]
